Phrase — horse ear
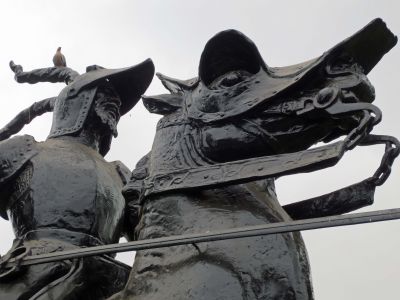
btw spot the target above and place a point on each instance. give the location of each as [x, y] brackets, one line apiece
[176, 86]
[163, 104]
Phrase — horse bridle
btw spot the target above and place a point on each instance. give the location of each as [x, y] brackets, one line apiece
[329, 101]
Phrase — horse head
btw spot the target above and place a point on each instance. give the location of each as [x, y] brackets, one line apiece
[239, 108]
[235, 123]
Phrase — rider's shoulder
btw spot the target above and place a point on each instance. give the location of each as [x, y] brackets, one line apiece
[17, 145]
[14, 154]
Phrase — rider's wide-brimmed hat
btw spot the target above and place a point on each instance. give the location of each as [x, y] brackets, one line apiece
[130, 83]
[75, 100]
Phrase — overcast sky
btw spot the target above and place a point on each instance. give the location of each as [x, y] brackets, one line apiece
[359, 262]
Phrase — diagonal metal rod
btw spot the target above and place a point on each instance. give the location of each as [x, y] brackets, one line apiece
[242, 232]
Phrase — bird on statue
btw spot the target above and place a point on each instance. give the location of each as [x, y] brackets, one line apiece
[59, 59]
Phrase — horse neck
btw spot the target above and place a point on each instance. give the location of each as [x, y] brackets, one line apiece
[199, 210]
[176, 146]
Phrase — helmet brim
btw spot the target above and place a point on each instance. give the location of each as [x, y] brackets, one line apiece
[130, 83]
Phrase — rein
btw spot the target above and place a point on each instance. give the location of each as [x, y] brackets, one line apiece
[329, 101]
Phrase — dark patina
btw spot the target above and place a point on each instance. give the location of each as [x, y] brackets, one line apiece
[61, 194]
[223, 139]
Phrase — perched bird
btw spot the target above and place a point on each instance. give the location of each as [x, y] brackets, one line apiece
[59, 59]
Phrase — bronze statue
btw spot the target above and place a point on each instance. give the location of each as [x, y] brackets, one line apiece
[223, 138]
[61, 194]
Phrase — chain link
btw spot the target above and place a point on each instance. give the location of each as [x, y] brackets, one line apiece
[361, 131]
[392, 150]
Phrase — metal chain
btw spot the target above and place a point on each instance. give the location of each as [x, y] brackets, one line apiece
[392, 150]
[361, 131]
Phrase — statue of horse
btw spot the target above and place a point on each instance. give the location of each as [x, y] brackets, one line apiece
[223, 139]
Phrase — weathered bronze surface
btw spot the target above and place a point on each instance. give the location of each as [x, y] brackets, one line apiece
[223, 139]
[61, 194]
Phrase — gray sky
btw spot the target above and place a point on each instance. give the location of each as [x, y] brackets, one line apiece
[359, 262]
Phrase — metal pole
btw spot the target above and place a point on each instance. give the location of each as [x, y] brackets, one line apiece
[242, 232]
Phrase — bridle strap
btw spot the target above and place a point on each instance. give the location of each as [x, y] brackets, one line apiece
[246, 170]
[351, 197]
[330, 101]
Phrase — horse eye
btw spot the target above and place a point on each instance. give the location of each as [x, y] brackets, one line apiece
[231, 80]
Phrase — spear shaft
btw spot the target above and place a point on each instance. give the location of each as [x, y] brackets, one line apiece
[235, 233]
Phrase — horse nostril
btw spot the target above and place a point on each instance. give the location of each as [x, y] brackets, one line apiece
[349, 97]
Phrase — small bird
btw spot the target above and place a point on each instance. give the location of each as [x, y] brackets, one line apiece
[59, 59]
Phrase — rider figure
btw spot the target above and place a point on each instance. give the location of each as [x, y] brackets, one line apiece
[61, 194]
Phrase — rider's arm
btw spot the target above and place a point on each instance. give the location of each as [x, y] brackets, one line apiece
[26, 116]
